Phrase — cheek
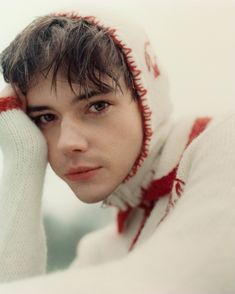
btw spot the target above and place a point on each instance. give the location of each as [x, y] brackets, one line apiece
[53, 156]
[132, 127]
[134, 134]
[127, 137]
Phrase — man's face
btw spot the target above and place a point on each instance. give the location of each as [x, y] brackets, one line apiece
[92, 143]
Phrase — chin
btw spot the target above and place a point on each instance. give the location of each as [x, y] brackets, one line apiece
[90, 193]
[91, 198]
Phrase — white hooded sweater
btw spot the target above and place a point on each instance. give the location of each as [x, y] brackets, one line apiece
[175, 224]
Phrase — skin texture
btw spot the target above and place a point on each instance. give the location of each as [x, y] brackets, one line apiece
[104, 132]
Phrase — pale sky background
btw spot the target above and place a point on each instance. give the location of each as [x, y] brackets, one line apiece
[195, 41]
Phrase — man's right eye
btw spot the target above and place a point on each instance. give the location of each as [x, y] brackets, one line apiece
[43, 119]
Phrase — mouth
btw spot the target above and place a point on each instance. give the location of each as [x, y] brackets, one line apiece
[82, 174]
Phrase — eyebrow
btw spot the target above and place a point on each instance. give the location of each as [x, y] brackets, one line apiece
[87, 95]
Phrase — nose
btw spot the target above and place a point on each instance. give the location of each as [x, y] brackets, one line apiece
[72, 137]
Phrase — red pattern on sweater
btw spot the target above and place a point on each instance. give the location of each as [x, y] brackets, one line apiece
[151, 61]
[160, 187]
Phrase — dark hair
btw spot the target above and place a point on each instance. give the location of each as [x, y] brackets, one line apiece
[74, 47]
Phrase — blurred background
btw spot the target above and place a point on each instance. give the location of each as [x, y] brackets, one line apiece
[195, 42]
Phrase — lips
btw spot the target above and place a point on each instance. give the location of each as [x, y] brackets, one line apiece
[82, 173]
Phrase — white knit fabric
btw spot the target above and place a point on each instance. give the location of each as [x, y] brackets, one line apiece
[190, 251]
[22, 241]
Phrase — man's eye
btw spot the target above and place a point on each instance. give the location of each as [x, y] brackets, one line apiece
[43, 119]
[98, 106]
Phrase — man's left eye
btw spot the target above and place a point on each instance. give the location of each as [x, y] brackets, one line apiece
[98, 106]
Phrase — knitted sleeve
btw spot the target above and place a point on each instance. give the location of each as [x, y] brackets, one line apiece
[192, 251]
[22, 238]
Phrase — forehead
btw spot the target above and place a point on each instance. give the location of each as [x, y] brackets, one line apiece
[103, 83]
[43, 90]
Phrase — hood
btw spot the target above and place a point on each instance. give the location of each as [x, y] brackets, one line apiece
[153, 89]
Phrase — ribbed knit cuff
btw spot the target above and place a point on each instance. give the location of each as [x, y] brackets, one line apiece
[8, 103]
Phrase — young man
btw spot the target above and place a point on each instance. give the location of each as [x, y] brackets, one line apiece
[101, 117]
